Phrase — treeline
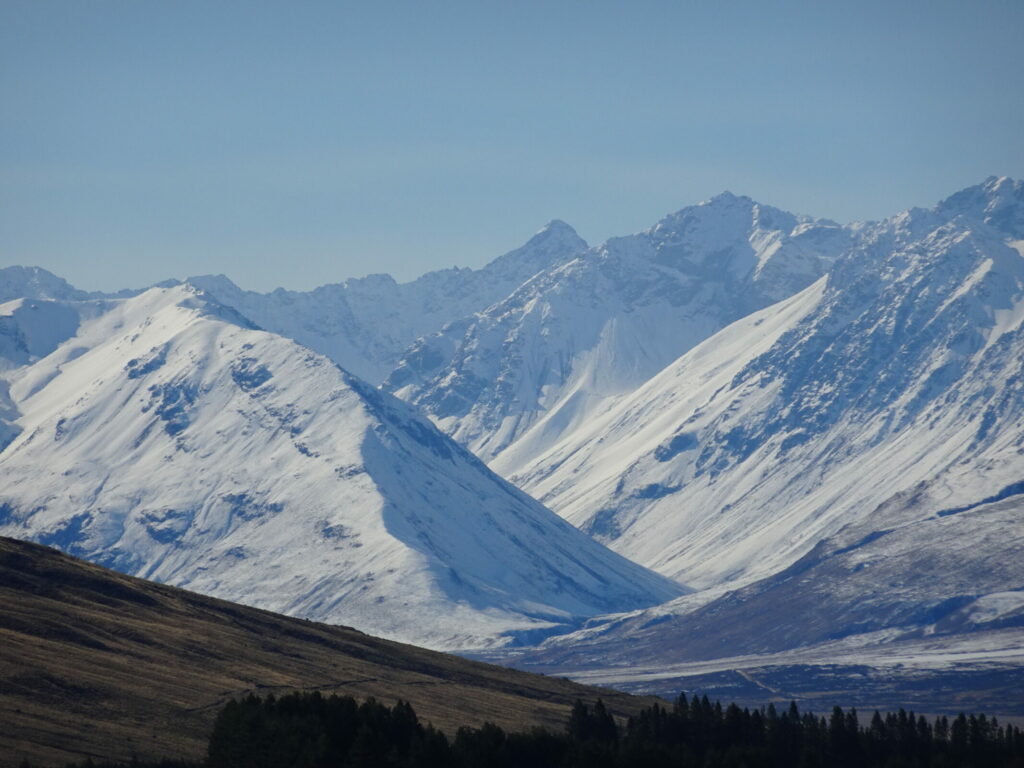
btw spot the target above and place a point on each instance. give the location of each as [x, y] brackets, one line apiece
[314, 731]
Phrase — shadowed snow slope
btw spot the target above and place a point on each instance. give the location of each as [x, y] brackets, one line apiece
[939, 594]
[170, 439]
[511, 381]
[365, 324]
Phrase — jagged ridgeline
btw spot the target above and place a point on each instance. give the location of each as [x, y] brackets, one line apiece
[838, 474]
[308, 730]
[815, 426]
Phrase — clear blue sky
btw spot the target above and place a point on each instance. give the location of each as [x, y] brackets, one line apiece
[298, 143]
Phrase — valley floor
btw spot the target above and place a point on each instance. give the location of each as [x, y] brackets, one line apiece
[983, 671]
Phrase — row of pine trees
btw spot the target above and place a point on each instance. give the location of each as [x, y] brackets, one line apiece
[314, 731]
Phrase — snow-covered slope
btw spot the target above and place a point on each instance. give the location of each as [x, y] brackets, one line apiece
[169, 438]
[842, 474]
[365, 324]
[32, 328]
[511, 381]
[848, 463]
[903, 366]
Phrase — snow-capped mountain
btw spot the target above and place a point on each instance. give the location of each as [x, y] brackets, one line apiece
[818, 427]
[848, 463]
[365, 324]
[35, 283]
[164, 435]
[512, 380]
[19, 282]
[902, 366]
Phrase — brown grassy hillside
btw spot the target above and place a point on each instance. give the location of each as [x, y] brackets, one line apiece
[97, 664]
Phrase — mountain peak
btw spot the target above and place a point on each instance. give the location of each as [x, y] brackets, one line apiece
[725, 197]
[998, 182]
[723, 201]
[556, 231]
[737, 209]
[998, 201]
[555, 243]
[20, 282]
[214, 283]
[557, 225]
[400, 530]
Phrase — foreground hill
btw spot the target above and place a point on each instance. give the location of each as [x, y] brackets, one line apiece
[168, 438]
[97, 664]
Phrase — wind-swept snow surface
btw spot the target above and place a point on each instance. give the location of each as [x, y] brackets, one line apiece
[168, 438]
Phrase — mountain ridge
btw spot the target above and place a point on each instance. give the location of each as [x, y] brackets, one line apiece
[170, 439]
[841, 468]
[746, 400]
[569, 342]
[364, 324]
[872, 312]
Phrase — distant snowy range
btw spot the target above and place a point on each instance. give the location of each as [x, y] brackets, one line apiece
[748, 452]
